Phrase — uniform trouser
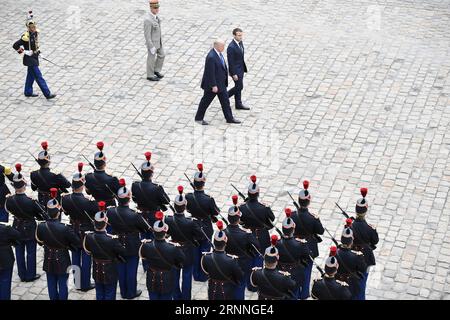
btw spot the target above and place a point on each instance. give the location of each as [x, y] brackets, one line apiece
[34, 74]
[240, 288]
[5, 283]
[155, 62]
[128, 277]
[4, 216]
[159, 296]
[362, 287]
[186, 286]
[197, 272]
[237, 90]
[304, 294]
[81, 259]
[208, 97]
[256, 262]
[26, 266]
[57, 286]
[105, 291]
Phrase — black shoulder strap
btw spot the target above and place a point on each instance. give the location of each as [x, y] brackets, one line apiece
[287, 251]
[236, 244]
[160, 255]
[256, 217]
[283, 295]
[181, 231]
[199, 206]
[328, 290]
[13, 198]
[219, 269]
[52, 235]
[120, 218]
[42, 178]
[99, 246]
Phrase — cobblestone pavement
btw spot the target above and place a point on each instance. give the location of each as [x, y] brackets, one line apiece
[344, 93]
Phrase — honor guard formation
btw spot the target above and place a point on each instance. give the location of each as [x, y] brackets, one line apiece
[106, 239]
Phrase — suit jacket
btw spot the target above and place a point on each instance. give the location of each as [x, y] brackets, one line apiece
[152, 32]
[236, 62]
[215, 73]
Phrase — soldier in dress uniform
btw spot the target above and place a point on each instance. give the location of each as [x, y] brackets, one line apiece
[186, 232]
[149, 197]
[25, 211]
[28, 44]
[241, 243]
[202, 207]
[57, 238]
[328, 288]
[365, 238]
[162, 257]
[8, 237]
[81, 211]
[127, 224]
[272, 284]
[99, 184]
[224, 273]
[352, 264]
[106, 251]
[293, 252]
[307, 227]
[43, 179]
[4, 191]
[257, 217]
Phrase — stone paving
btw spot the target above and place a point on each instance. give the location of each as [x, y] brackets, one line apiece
[344, 93]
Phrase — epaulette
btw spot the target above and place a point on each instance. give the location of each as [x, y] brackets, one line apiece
[146, 240]
[342, 283]
[113, 236]
[26, 36]
[374, 228]
[5, 224]
[284, 273]
[6, 171]
[206, 253]
[88, 232]
[314, 215]
[175, 244]
[359, 253]
[232, 256]
[301, 240]
[256, 268]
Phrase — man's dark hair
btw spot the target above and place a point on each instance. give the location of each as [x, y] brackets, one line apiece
[236, 30]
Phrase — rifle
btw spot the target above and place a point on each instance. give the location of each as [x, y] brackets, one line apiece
[192, 185]
[35, 159]
[322, 273]
[112, 192]
[239, 193]
[90, 163]
[44, 214]
[332, 238]
[343, 212]
[318, 238]
[256, 250]
[201, 228]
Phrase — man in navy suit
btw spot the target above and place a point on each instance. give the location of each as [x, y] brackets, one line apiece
[215, 82]
[237, 67]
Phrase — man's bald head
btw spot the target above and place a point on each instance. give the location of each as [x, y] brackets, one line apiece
[219, 44]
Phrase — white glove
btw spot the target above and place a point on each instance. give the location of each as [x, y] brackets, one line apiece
[28, 52]
[153, 50]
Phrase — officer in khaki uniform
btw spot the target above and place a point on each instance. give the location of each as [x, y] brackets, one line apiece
[153, 40]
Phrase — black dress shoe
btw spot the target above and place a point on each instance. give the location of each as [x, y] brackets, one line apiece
[34, 279]
[138, 293]
[233, 121]
[154, 78]
[90, 287]
[202, 122]
[242, 107]
[159, 75]
[51, 96]
[32, 95]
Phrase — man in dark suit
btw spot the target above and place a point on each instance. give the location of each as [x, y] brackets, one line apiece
[237, 67]
[215, 82]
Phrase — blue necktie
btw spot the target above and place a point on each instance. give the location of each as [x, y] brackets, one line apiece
[223, 60]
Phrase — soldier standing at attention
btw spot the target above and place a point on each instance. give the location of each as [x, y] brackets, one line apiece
[81, 211]
[222, 269]
[28, 44]
[106, 251]
[307, 227]
[186, 232]
[25, 211]
[365, 239]
[259, 218]
[162, 257]
[8, 237]
[202, 207]
[272, 284]
[57, 238]
[44, 179]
